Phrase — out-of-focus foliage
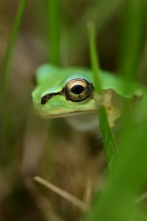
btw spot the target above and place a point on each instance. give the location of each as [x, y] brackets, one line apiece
[126, 179]
[129, 174]
[72, 160]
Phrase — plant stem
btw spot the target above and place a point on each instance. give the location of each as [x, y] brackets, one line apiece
[54, 33]
[7, 131]
[10, 47]
[94, 58]
[132, 38]
[107, 135]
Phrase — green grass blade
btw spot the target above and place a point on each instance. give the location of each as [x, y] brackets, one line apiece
[94, 58]
[7, 128]
[132, 38]
[54, 32]
[110, 147]
[107, 135]
[100, 12]
[10, 47]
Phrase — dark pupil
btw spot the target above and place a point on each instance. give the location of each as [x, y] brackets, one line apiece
[77, 89]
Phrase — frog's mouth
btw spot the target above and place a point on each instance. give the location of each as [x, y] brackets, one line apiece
[69, 114]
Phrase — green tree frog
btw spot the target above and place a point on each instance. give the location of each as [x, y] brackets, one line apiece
[70, 92]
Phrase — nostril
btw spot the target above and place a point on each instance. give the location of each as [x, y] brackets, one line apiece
[45, 98]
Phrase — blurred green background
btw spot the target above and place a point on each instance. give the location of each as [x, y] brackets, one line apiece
[72, 160]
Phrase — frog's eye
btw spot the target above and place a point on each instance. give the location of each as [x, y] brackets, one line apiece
[78, 90]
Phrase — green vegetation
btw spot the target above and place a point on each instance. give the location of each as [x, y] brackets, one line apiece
[107, 134]
[31, 146]
[7, 127]
[54, 32]
[129, 173]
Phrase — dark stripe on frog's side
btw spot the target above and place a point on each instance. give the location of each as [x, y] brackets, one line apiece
[47, 97]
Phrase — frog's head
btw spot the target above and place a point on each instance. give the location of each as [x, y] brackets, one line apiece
[63, 92]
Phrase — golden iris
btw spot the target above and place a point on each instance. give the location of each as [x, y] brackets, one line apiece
[78, 89]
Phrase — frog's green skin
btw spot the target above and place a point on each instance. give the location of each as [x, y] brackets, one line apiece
[51, 80]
